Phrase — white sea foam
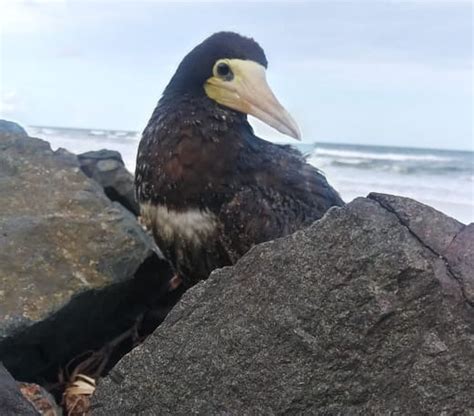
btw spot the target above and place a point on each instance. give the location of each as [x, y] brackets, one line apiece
[442, 179]
[97, 132]
[352, 154]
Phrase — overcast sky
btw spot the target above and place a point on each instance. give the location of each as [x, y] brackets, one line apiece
[375, 72]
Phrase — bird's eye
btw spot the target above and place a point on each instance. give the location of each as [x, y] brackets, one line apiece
[223, 70]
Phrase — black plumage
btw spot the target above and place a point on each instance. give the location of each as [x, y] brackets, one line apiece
[200, 161]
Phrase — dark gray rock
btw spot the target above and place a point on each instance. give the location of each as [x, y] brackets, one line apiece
[426, 223]
[107, 168]
[12, 402]
[365, 312]
[460, 256]
[59, 234]
[76, 269]
[9, 127]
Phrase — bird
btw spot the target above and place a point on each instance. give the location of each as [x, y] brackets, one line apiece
[208, 188]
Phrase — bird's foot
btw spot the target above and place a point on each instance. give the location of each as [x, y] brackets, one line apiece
[175, 282]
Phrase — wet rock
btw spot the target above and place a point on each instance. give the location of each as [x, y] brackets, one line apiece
[106, 167]
[367, 311]
[76, 269]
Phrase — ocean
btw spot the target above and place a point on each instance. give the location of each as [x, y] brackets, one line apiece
[443, 179]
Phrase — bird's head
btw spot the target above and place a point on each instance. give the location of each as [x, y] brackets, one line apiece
[231, 70]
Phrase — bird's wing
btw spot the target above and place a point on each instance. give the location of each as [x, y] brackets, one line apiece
[281, 194]
[249, 218]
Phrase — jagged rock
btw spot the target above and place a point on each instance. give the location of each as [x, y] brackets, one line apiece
[12, 402]
[107, 168]
[366, 312]
[76, 269]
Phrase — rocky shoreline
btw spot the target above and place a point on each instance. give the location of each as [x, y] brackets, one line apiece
[368, 311]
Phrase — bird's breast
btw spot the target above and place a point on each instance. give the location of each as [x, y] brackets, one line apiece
[190, 225]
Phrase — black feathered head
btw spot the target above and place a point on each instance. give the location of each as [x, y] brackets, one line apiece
[196, 67]
[230, 69]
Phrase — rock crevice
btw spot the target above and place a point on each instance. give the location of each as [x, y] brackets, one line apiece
[453, 229]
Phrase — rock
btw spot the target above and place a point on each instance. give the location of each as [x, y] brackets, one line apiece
[368, 311]
[77, 269]
[107, 168]
[9, 127]
[427, 224]
[460, 257]
[41, 400]
[12, 402]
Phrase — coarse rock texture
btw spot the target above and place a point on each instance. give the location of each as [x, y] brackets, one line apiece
[367, 312]
[107, 168]
[76, 269]
[12, 402]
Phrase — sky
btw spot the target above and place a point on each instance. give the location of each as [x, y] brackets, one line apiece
[377, 72]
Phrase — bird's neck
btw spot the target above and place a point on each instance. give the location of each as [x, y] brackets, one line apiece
[197, 111]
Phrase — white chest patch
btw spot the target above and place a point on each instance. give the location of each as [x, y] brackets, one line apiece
[191, 225]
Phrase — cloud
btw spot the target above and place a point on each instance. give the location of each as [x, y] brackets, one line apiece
[392, 73]
[12, 106]
[26, 16]
[67, 52]
[9, 102]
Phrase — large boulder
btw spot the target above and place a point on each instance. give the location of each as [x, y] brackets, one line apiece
[369, 311]
[76, 268]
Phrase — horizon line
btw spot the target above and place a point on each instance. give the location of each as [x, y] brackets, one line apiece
[326, 141]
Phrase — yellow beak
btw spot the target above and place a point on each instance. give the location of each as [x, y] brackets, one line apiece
[249, 93]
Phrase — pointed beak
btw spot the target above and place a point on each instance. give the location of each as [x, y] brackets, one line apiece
[249, 92]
